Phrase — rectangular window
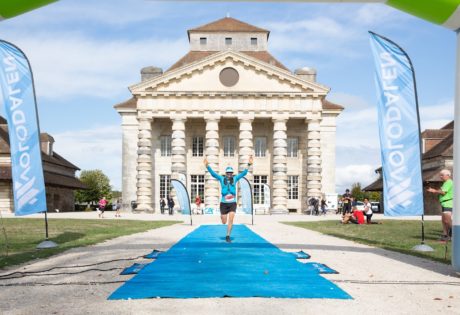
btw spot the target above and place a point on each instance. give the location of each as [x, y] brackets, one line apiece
[197, 146]
[259, 188]
[197, 187]
[229, 146]
[293, 187]
[292, 147]
[165, 146]
[253, 41]
[203, 40]
[228, 40]
[165, 185]
[260, 146]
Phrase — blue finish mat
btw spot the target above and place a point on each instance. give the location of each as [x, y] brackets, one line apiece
[203, 265]
[154, 254]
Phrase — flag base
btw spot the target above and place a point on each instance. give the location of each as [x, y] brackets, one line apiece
[422, 248]
[47, 244]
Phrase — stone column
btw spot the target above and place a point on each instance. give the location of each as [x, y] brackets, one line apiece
[144, 163]
[130, 128]
[245, 145]
[178, 168]
[280, 186]
[314, 158]
[211, 190]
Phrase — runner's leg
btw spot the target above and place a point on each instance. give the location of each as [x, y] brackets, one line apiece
[231, 215]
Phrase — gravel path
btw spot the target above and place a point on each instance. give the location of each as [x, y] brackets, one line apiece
[380, 281]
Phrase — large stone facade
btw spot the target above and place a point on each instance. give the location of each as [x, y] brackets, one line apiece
[228, 99]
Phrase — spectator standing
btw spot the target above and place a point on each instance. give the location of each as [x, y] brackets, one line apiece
[170, 205]
[347, 200]
[198, 204]
[446, 196]
[368, 210]
[162, 205]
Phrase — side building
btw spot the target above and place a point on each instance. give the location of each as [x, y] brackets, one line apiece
[60, 180]
[437, 154]
[226, 99]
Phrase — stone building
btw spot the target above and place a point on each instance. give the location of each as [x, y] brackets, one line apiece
[59, 175]
[437, 154]
[226, 99]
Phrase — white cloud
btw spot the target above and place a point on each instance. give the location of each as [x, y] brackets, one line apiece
[70, 64]
[97, 148]
[354, 173]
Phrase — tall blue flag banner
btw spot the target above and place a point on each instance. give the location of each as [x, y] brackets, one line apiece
[18, 97]
[399, 129]
[246, 195]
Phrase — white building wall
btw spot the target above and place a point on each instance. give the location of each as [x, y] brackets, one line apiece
[129, 160]
[328, 143]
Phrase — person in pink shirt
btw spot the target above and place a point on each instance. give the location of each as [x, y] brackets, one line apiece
[102, 203]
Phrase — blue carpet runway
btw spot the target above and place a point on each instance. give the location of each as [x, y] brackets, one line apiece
[203, 265]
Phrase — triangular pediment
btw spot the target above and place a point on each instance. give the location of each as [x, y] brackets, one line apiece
[204, 76]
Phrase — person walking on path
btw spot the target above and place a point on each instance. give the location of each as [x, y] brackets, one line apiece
[102, 203]
[228, 192]
[162, 205]
[171, 205]
[446, 196]
[118, 208]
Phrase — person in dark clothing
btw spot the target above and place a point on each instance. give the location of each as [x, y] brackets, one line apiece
[162, 205]
[170, 205]
[347, 200]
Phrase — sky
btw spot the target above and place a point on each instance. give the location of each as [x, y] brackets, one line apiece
[84, 54]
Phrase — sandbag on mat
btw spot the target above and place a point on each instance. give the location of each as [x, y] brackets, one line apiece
[203, 265]
[321, 268]
[133, 269]
[301, 255]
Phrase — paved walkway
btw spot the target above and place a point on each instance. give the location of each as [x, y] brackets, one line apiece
[380, 281]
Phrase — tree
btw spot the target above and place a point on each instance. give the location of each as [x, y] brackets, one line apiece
[97, 186]
[359, 194]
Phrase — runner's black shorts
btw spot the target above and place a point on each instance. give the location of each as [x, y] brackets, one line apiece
[226, 207]
[444, 209]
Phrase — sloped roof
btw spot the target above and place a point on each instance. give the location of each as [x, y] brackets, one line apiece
[51, 179]
[228, 24]
[444, 148]
[331, 106]
[449, 125]
[193, 56]
[435, 133]
[129, 104]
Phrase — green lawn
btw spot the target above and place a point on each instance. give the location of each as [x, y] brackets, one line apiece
[25, 234]
[395, 235]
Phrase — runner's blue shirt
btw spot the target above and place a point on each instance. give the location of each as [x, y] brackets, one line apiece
[228, 189]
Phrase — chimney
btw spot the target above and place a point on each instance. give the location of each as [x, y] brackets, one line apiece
[46, 142]
[150, 72]
[306, 73]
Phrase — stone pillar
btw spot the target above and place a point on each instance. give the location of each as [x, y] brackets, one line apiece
[130, 128]
[211, 190]
[314, 158]
[178, 168]
[245, 145]
[280, 186]
[144, 163]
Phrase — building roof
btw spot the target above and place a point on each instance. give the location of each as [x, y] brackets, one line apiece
[193, 56]
[228, 24]
[449, 125]
[54, 159]
[51, 179]
[129, 104]
[435, 133]
[445, 148]
[331, 106]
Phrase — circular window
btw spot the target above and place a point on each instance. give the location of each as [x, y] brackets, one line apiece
[229, 77]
